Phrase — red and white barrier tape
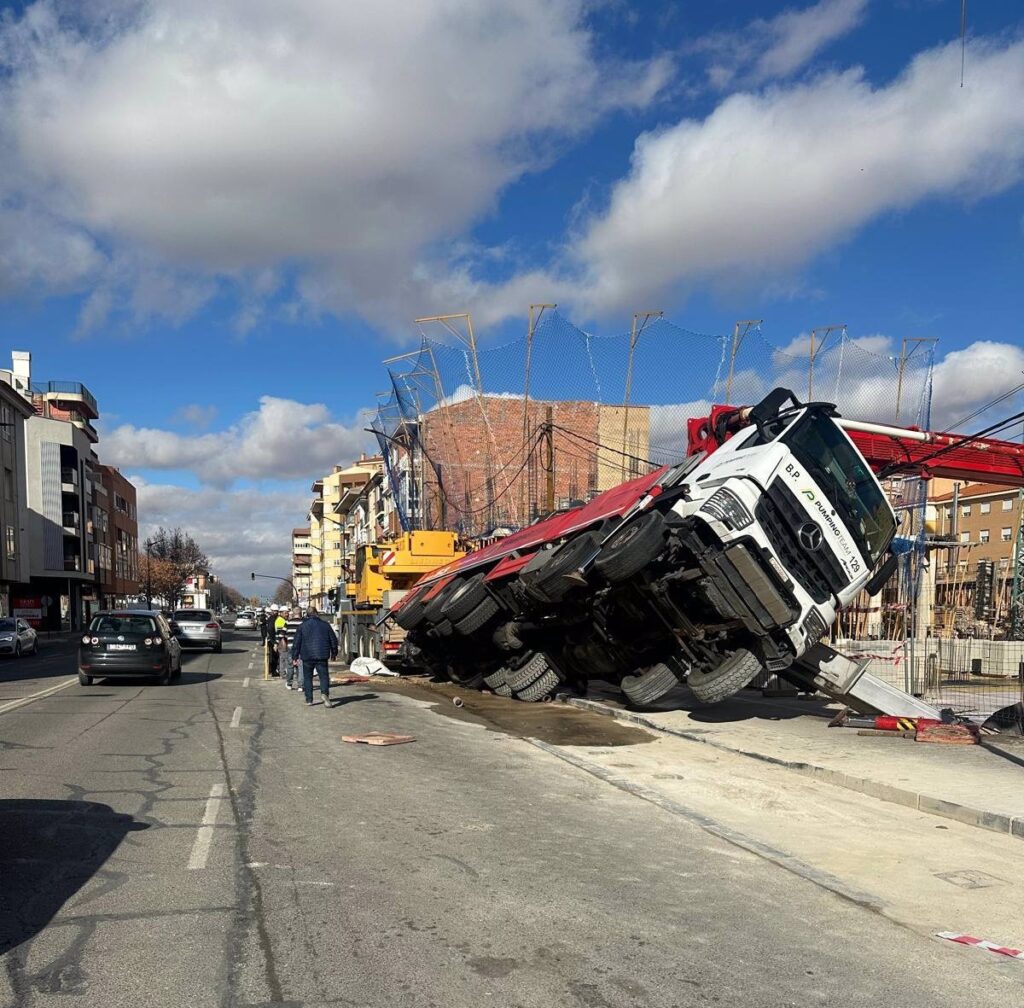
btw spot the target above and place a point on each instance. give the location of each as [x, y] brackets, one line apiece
[962, 939]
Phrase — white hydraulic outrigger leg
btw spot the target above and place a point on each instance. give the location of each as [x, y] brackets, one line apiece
[845, 680]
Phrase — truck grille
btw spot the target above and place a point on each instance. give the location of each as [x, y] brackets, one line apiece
[780, 515]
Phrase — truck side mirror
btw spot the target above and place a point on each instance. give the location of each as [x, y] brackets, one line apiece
[879, 578]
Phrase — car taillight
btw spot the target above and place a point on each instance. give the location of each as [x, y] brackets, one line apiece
[94, 640]
[158, 640]
[212, 626]
[148, 642]
[86, 640]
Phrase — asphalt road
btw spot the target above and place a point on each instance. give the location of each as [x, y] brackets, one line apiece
[214, 842]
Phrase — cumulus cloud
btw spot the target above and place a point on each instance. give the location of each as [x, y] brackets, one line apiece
[770, 179]
[232, 137]
[197, 415]
[281, 440]
[240, 531]
[778, 47]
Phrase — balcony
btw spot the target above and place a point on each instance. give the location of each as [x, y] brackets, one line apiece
[72, 563]
[69, 480]
[72, 522]
[70, 393]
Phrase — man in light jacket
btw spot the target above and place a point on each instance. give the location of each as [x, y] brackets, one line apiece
[314, 643]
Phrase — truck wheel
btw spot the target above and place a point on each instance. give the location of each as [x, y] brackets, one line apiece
[495, 679]
[540, 690]
[434, 609]
[632, 547]
[465, 598]
[552, 580]
[442, 629]
[477, 617]
[728, 678]
[520, 679]
[651, 685]
[410, 616]
[503, 690]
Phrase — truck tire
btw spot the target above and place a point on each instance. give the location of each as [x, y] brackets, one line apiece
[632, 547]
[496, 678]
[410, 616]
[528, 673]
[735, 672]
[476, 618]
[552, 580]
[540, 690]
[465, 597]
[504, 690]
[442, 629]
[650, 686]
[432, 610]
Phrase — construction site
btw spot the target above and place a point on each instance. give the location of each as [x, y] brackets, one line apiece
[485, 439]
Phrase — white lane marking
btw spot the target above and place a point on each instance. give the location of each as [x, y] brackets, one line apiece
[236, 718]
[37, 696]
[204, 835]
[245, 681]
[250, 664]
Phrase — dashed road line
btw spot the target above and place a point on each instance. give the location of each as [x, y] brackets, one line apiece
[236, 718]
[204, 835]
[245, 681]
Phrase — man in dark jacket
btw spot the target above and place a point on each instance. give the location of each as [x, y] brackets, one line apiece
[314, 643]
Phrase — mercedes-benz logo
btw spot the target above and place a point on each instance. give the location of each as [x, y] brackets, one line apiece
[120, 637]
[810, 537]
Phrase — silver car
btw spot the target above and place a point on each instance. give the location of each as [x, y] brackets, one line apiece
[245, 620]
[198, 628]
[17, 637]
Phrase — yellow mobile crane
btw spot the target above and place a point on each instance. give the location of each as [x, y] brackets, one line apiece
[383, 573]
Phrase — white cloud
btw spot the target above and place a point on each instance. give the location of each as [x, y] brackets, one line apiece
[769, 180]
[239, 530]
[226, 138]
[778, 47]
[281, 440]
[197, 415]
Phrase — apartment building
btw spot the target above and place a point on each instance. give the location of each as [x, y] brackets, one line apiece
[115, 524]
[14, 560]
[328, 541]
[79, 537]
[302, 553]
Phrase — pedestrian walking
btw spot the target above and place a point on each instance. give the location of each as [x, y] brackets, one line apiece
[292, 673]
[261, 623]
[315, 643]
[275, 630]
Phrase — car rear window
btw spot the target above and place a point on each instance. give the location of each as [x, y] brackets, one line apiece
[193, 616]
[129, 623]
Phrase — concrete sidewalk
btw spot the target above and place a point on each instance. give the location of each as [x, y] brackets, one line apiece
[979, 785]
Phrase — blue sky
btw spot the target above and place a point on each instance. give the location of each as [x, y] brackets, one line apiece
[222, 215]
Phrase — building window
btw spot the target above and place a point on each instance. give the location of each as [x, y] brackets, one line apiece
[1007, 503]
[962, 565]
[7, 420]
[983, 536]
[1004, 563]
[11, 541]
[965, 510]
[949, 514]
[965, 537]
[9, 485]
[986, 507]
[1005, 534]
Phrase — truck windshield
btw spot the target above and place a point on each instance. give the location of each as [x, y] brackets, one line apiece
[838, 468]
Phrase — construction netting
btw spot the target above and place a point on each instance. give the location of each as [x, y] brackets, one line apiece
[462, 427]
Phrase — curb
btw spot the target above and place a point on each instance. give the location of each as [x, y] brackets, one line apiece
[993, 821]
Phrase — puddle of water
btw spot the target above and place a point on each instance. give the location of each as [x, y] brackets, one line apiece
[555, 723]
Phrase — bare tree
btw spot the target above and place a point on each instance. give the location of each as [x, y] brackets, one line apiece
[182, 553]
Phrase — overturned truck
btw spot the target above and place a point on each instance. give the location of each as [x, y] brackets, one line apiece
[708, 572]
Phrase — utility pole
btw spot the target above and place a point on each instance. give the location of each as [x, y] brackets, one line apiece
[549, 460]
[816, 348]
[916, 343]
[738, 336]
[640, 322]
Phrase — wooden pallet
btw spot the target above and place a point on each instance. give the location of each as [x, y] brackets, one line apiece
[378, 738]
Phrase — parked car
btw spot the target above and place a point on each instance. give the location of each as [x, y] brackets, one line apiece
[245, 620]
[17, 637]
[129, 642]
[198, 628]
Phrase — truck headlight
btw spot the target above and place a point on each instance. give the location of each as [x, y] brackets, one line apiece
[726, 507]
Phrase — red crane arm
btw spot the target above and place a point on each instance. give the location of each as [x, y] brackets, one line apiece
[983, 460]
